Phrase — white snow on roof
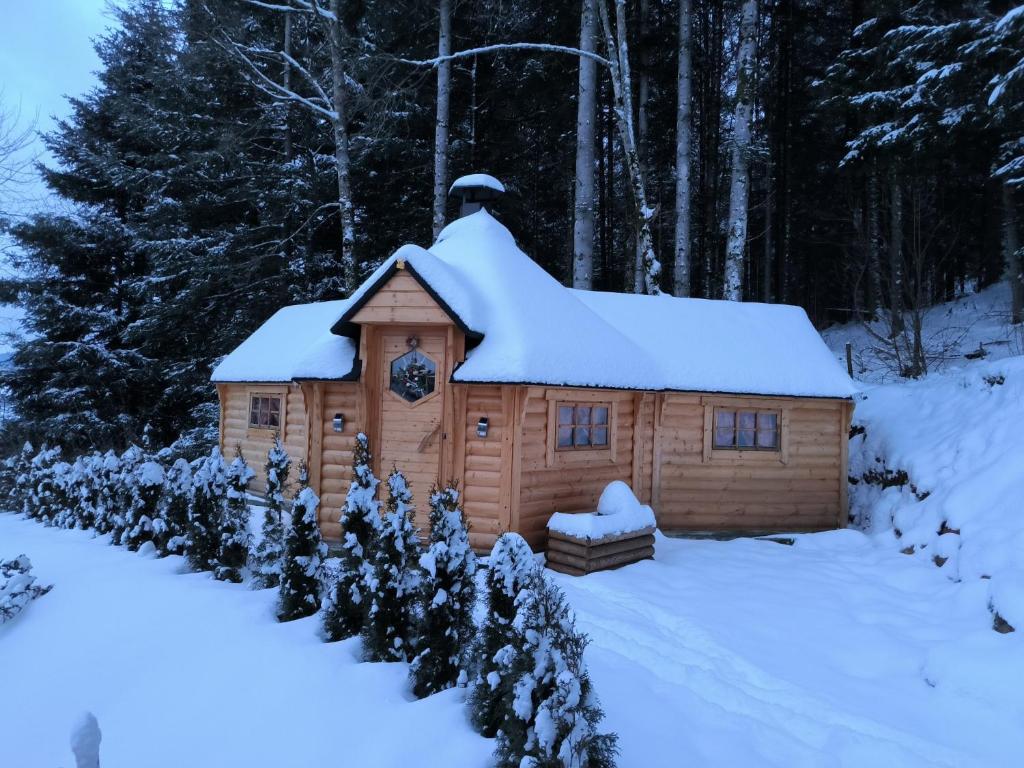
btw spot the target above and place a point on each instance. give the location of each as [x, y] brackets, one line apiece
[537, 331]
[295, 343]
[477, 180]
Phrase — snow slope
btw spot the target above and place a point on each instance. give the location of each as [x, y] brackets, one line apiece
[741, 653]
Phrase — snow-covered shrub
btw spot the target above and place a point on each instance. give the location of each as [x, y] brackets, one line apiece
[447, 597]
[233, 549]
[104, 479]
[63, 495]
[304, 553]
[345, 610]
[8, 477]
[209, 491]
[147, 488]
[81, 492]
[170, 528]
[554, 716]
[511, 568]
[124, 494]
[17, 587]
[392, 615]
[41, 502]
[22, 484]
[266, 560]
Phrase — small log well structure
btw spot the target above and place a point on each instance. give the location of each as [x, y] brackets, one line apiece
[580, 556]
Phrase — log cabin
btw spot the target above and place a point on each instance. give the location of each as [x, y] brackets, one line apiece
[468, 362]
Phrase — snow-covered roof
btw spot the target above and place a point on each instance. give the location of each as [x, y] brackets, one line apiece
[477, 180]
[532, 330]
[295, 343]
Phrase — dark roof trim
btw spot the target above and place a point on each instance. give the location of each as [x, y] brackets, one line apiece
[345, 326]
[352, 375]
[453, 380]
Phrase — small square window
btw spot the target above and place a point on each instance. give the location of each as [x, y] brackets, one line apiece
[746, 430]
[264, 412]
[582, 426]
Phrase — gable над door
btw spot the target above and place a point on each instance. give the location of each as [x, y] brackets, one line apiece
[412, 411]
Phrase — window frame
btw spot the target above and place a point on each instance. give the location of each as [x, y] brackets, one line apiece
[745, 454]
[776, 447]
[575, 425]
[282, 415]
[580, 457]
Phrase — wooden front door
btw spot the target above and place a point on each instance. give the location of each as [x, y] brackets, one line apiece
[414, 371]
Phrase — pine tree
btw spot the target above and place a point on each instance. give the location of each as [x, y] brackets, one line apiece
[124, 492]
[304, 553]
[554, 715]
[391, 618]
[209, 493]
[233, 549]
[42, 498]
[447, 597]
[345, 612]
[511, 568]
[270, 549]
[147, 489]
[171, 526]
[104, 481]
[18, 497]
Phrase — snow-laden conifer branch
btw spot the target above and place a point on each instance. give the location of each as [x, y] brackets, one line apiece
[498, 47]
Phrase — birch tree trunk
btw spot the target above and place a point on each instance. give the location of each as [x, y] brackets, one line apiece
[684, 88]
[642, 98]
[739, 191]
[444, 73]
[895, 254]
[1012, 255]
[586, 115]
[617, 46]
[340, 124]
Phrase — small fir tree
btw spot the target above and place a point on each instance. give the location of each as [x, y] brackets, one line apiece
[124, 492]
[209, 490]
[345, 611]
[41, 500]
[104, 479]
[270, 549]
[447, 597]
[233, 549]
[304, 553]
[170, 529]
[63, 501]
[22, 483]
[554, 712]
[511, 568]
[392, 615]
[147, 488]
[84, 493]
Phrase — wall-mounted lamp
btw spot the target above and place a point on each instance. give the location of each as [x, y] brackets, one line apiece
[339, 422]
[481, 427]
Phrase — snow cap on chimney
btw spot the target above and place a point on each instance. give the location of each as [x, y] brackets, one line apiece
[474, 191]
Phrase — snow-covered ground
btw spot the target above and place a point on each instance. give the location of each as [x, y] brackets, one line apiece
[837, 650]
[833, 651]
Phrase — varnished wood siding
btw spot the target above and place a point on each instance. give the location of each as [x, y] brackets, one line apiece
[336, 455]
[401, 300]
[483, 475]
[546, 488]
[256, 444]
[723, 492]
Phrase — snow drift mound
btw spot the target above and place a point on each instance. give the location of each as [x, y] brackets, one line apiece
[939, 466]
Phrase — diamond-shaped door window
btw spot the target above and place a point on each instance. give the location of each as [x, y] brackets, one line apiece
[413, 376]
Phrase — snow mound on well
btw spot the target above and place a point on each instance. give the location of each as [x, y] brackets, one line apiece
[618, 512]
[956, 436]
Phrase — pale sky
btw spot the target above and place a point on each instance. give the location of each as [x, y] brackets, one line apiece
[46, 52]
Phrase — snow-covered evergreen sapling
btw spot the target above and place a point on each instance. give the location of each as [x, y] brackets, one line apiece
[41, 501]
[124, 492]
[104, 480]
[147, 488]
[267, 559]
[233, 550]
[554, 717]
[511, 568]
[82, 491]
[17, 587]
[304, 553]
[392, 615]
[63, 501]
[18, 499]
[349, 600]
[170, 529]
[447, 597]
[209, 490]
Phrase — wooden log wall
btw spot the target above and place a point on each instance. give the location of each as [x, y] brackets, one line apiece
[336, 451]
[800, 488]
[483, 462]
